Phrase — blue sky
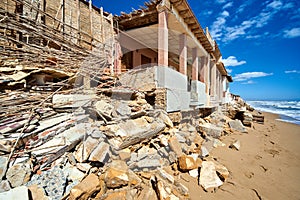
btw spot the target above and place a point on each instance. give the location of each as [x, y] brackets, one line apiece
[259, 41]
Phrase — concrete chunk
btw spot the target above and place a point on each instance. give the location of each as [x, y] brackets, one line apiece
[175, 146]
[208, 176]
[16, 193]
[116, 178]
[210, 130]
[237, 126]
[86, 188]
[187, 163]
[100, 153]
[18, 175]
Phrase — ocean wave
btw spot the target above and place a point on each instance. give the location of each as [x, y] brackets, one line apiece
[283, 108]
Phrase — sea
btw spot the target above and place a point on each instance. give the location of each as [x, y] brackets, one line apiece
[289, 110]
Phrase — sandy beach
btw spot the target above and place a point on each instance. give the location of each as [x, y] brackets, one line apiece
[267, 165]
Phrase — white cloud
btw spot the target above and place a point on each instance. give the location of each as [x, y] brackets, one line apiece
[292, 33]
[221, 31]
[232, 61]
[249, 75]
[275, 5]
[220, 1]
[225, 13]
[292, 72]
[228, 5]
[288, 5]
[219, 25]
[248, 82]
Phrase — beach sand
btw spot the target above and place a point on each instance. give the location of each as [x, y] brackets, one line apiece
[267, 166]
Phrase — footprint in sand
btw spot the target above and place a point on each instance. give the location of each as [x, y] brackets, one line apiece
[249, 174]
[273, 152]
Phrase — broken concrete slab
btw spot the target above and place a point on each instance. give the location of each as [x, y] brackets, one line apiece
[237, 126]
[104, 108]
[72, 100]
[18, 175]
[148, 164]
[165, 118]
[163, 174]
[210, 130]
[73, 173]
[208, 176]
[86, 188]
[16, 193]
[175, 146]
[122, 108]
[116, 178]
[148, 132]
[207, 146]
[100, 153]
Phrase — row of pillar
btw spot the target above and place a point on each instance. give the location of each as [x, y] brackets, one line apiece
[201, 73]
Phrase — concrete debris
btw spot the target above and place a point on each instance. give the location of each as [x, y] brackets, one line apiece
[52, 181]
[104, 108]
[16, 193]
[222, 171]
[37, 192]
[175, 146]
[18, 175]
[86, 188]
[187, 163]
[210, 130]
[237, 126]
[235, 145]
[109, 144]
[208, 176]
[116, 178]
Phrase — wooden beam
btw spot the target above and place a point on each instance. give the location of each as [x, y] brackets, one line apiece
[183, 12]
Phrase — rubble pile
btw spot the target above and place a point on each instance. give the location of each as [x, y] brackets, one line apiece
[107, 144]
[244, 112]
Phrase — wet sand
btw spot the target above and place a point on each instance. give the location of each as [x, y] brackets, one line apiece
[267, 166]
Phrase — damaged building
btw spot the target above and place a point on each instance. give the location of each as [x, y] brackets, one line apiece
[147, 49]
[96, 106]
[185, 61]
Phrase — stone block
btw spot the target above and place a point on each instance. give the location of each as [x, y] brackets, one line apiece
[175, 146]
[86, 188]
[18, 175]
[208, 176]
[100, 153]
[116, 178]
[210, 130]
[187, 163]
[237, 126]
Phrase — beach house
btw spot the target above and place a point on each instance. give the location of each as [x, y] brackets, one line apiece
[165, 39]
[160, 49]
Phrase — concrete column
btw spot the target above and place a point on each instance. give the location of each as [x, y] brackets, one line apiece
[205, 72]
[163, 38]
[182, 54]
[202, 70]
[213, 79]
[195, 64]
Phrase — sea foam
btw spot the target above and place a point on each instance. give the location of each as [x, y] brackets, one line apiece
[289, 111]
